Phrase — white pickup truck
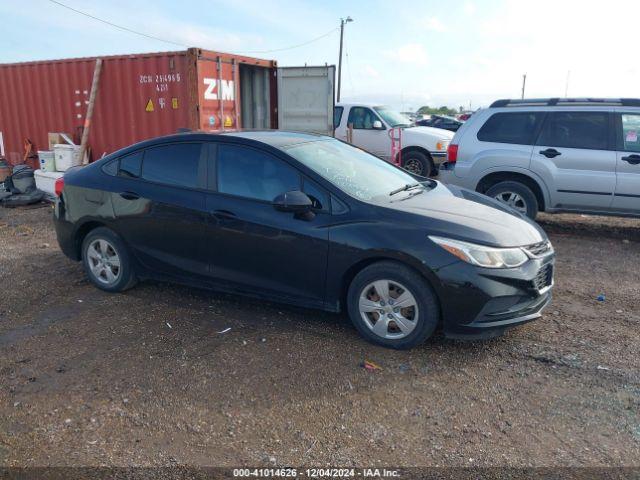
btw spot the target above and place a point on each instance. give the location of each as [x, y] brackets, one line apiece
[423, 148]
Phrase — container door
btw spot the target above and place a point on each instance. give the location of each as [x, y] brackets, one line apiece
[217, 94]
[305, 99]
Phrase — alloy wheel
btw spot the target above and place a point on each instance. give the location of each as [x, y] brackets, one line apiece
[388, 309]
[513, 200]
[104, 261]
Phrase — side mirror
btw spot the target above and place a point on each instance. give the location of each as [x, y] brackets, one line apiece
[377, 125]
[295, 202]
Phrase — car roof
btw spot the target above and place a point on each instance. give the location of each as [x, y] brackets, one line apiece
[277, 138]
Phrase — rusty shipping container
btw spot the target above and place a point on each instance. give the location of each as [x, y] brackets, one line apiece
[140, 96]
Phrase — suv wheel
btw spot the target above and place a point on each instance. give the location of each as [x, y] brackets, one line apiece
[393, 306]
[418, 163]
[517, 195]
[106, 261]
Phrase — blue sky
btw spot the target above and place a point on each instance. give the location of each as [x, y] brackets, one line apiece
[407, 54]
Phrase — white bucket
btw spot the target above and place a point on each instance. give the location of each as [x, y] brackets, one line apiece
[47, 161]
[66, 156]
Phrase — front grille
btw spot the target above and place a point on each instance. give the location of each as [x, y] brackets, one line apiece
[544, 277]
[539, 249]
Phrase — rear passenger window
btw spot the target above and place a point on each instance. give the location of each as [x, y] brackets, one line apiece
[247, 172]
[511, 127]
[175, 164]
[337, 116]
[130, 165]
[630, 132]
[576, 130]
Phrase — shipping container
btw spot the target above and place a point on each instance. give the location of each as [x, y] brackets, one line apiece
[146, 95]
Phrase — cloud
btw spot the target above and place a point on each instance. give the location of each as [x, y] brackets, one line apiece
[469, 8]
[434, 24]
[413, 53]
[371, 72]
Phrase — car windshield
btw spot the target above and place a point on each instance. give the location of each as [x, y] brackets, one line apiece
[393, 118]
[351, 169]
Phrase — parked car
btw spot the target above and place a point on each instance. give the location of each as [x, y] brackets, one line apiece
[307, 220]
[552, 155]
[440, 121]
[423, 148]
[463, 117]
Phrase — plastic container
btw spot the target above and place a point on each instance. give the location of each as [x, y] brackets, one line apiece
[47, 161]
[66, 156]
[46, 181]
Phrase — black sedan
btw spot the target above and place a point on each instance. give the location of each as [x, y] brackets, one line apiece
[306, 220]
[441, 121]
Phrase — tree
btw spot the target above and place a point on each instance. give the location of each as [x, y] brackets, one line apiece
[444, 110]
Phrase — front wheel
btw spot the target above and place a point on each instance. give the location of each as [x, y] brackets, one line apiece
[106, 261]
[393, 306]
[418, 163]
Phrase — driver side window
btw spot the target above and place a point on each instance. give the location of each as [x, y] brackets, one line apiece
[362, 118]
[250, 173]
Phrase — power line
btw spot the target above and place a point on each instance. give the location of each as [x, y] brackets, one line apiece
[120, 27]
[295, 46]
[152, 37]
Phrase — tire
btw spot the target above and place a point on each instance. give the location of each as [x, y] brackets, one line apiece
[419, 321]
[418, 163]
[516, 195]
[102, 250]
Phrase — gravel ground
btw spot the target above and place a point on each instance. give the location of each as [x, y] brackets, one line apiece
[149, 378]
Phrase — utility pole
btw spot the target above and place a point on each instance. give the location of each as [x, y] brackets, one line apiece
[566, 85]
[524, 81]
[342, 22]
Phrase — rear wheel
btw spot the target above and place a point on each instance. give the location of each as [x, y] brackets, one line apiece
[517, 195]
[106, 261]
[393, 306]
[418, 163]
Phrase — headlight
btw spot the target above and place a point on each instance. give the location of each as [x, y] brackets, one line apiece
[482, 256]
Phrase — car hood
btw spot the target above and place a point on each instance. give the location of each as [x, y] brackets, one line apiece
[470, 216]
[415, 133]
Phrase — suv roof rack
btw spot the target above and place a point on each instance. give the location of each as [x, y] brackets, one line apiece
[566, 102]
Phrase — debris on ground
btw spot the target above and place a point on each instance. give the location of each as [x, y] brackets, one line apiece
[370, 366]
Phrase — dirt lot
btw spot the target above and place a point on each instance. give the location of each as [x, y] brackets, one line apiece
[147, 377]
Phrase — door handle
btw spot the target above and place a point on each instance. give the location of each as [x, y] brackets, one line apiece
[130, 195]
[224, 215]
[550, 152]
[632, 159]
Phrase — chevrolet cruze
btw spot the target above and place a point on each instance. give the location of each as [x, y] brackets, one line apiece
[306, 220]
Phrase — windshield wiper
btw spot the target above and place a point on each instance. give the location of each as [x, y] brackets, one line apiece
[411, 186]
[408, 186]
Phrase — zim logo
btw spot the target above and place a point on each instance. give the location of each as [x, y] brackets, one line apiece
[227, 90]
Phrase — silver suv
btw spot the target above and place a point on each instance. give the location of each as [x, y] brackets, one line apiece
[552, 155]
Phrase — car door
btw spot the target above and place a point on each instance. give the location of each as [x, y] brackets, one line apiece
[366, 136]
[251, 245]
[575, 157]
[627, 193]
[160, 207]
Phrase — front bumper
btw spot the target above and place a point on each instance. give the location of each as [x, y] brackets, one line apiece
[439, 157]
[482, 302]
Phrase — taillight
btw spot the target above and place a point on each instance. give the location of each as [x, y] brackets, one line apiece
[59, 186]
[452, 153]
